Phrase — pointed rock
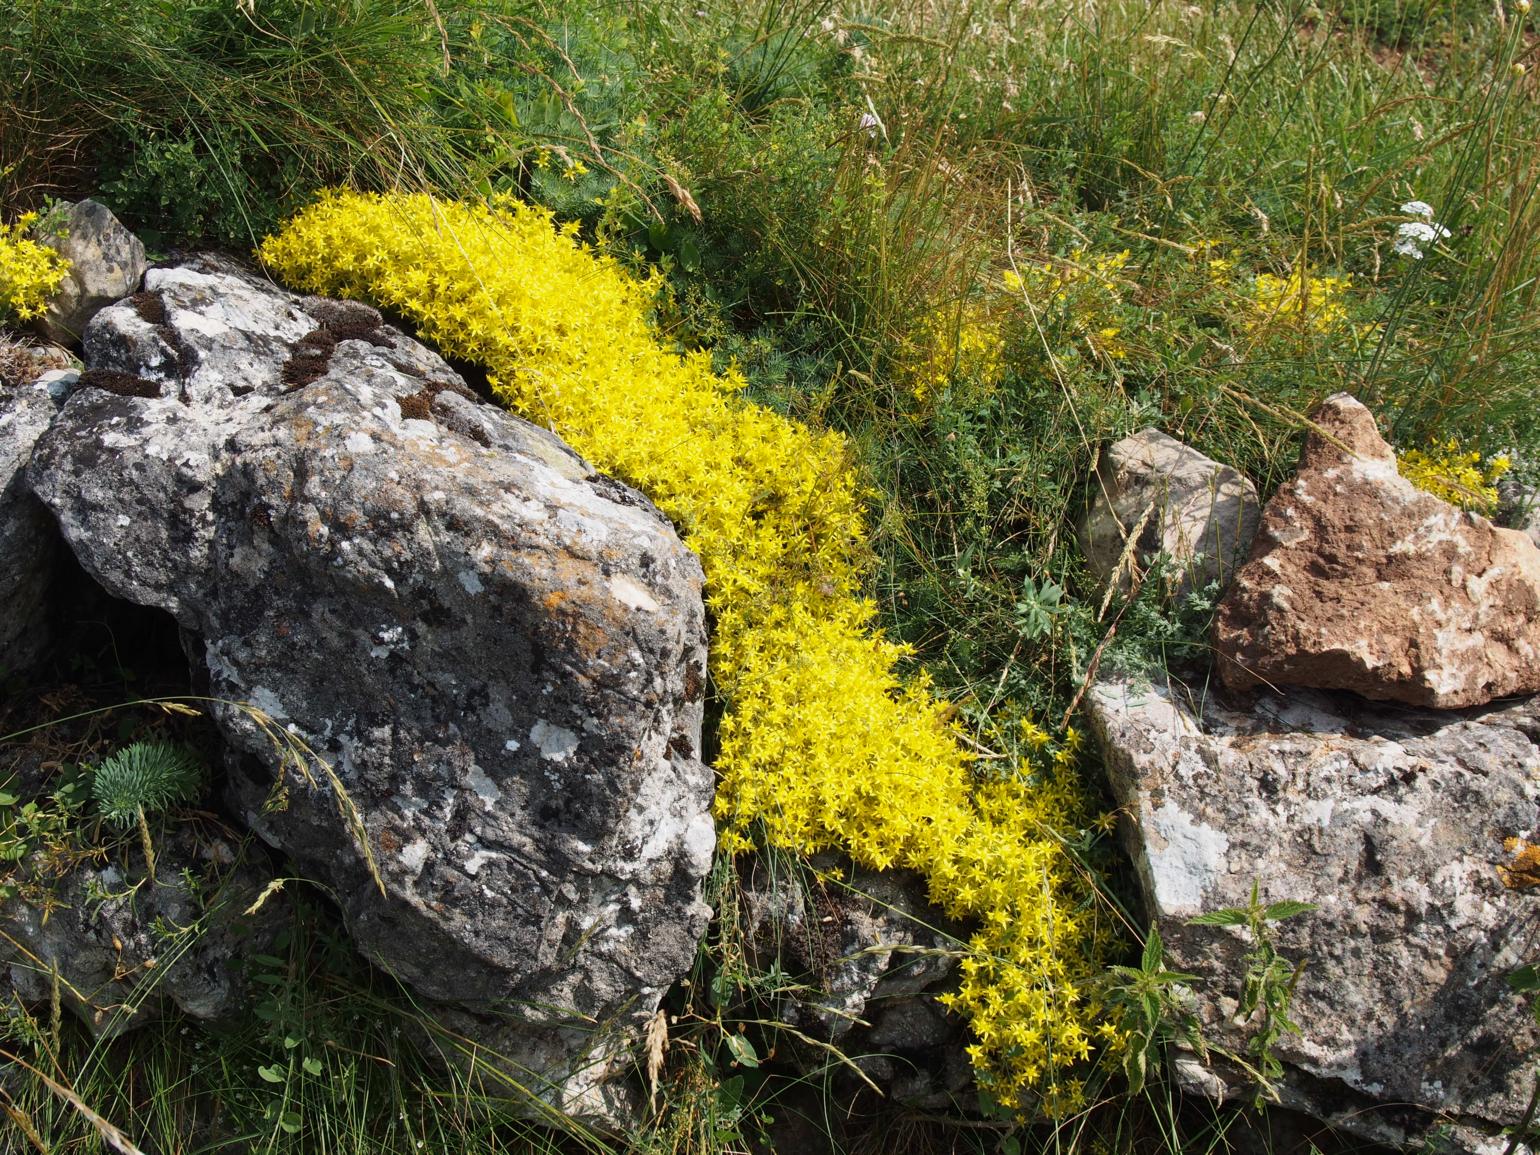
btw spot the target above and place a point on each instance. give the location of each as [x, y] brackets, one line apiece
[1360, 581]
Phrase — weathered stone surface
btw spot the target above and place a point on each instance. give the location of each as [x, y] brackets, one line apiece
[1397, 823]
[501, 653]
[28, 538]
[1202, 515]
[1360, 581]
[107, 262]
[865, 952]
[107, 932]
[1520, 508]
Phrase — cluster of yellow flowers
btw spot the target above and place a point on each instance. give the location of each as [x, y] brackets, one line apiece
[822, 746]
[30, 272]
[1455, 474]
[1299, 300]
[959, 344]
[1085, 290]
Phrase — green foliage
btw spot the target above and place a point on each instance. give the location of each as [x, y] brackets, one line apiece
[1147, 1006]
[1267, 987]
[143, 778]
[210, 120]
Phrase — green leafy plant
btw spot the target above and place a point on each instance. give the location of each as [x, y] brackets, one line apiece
[1145, 1003]
[1267, 988]
[143, 778]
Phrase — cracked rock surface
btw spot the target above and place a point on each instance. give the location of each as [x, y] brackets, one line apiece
[498, 653]
[1413, 831]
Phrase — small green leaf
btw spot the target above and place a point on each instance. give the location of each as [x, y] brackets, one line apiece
[1153, 950]
[312, 1065]
[1526, 978]
[290, 1042]
[290, 1122]
[8, 799]
[1287, 909]
[271, 1074]
[1228, 917]
[743, 1050]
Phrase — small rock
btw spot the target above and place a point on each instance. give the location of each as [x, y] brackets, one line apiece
[1200, 514]
[107, 262]
[1520, 508]
[1360, 581]
[866, 952]
[108, 935]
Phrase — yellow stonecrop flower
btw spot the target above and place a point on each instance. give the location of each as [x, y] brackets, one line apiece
[30, 273]
[1456, 475]
[1084, 292]
[1299, 300]
[822, 746]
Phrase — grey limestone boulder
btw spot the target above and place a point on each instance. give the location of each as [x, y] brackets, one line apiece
[28, 538]
[1520, 508]
[499, 654]
[1174, 501]
[1411, 830]
[107, 262]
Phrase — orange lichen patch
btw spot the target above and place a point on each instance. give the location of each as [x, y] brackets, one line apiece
[1522, 870]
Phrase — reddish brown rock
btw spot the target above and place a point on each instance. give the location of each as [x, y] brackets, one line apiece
[1359, 581]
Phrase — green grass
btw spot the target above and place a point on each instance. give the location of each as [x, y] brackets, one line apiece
[836, 199]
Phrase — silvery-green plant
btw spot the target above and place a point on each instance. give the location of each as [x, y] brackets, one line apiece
[145, 777]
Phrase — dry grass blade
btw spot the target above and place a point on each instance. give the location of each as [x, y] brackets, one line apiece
[110, 1134]
[24, 1122]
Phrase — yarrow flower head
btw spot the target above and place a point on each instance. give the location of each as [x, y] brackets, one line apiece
[1412, 237]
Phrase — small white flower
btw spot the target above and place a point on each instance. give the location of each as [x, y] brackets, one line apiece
[1197, 117]
[1418, 209]
[1411, 236]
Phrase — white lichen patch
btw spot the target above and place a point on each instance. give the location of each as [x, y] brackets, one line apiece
[1186, 858]
[414, 854]
[267, 701]
[469, 581]
[486, 789]
[359, 444]
[631, 594]
[555, 742]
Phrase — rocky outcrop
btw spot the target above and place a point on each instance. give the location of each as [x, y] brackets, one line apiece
[1360, 581]
[1199, 514]
[107, 263]
[28, 538]
[499, 654]
[122, 946]
[1411, 832]
[862, 954]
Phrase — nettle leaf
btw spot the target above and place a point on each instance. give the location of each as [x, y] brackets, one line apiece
[1526, 978]
[1232, 916]
[1277, 911]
